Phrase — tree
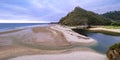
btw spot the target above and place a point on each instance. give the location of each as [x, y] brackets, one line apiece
[114, 15]
[80, 16]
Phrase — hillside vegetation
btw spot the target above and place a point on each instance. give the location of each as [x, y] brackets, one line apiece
[114, 15]
[81, 16]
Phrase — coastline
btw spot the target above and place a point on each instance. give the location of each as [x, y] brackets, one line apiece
[105, 29]
[72, 36]
[27, 41]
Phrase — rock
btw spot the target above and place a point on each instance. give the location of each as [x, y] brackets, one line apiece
[114, 52]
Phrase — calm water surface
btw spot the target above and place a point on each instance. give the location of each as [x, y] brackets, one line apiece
[7, 26]
[104, 41]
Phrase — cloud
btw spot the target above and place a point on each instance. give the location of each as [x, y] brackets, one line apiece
[50, 10]
[107, 8]
[35, 3]
[22, 21]
[15, 7]
[46, 5]
[99, 6]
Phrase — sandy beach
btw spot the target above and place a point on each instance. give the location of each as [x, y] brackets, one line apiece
[72, 36]
[83, 55]
[105, 29]
[52, 42]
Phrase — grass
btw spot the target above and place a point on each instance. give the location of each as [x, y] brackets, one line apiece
[115, 46]
[112, 27]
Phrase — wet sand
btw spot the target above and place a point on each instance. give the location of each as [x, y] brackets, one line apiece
[82, 55]
[51, 41]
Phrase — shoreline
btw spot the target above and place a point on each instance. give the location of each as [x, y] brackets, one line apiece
[35, 35]
[106, 29]
[72, 36]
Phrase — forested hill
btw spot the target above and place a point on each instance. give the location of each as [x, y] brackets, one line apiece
[114, 15]
[81, 16]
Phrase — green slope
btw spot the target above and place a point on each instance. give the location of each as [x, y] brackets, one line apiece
[80, 16]
[114, 15]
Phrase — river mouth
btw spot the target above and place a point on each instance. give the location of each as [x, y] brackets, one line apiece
[105, 38]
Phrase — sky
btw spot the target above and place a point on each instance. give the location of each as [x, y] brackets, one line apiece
[44, 11]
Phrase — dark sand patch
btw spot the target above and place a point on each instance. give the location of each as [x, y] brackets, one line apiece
[11, 31]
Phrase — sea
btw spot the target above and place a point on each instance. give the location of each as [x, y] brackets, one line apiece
[10, 26]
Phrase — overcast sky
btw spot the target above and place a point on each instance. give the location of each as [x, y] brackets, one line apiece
[49, 10]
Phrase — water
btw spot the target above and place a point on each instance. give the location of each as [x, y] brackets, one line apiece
[105, 40]
[8, 26]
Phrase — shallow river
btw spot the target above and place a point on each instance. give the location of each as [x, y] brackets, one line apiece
[105, 40]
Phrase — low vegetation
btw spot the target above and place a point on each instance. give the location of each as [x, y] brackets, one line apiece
[81, 16]
[110, 20]
[115, 46]
[114, 52]
[116, 23]
[114, 15]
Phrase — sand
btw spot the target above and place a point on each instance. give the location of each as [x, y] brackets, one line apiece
[35, 36]
[34, 40]
[53, 42]
[82, 55]
[105, 29]
[72, 36]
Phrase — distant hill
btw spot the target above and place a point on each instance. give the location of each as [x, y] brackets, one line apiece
[114, 15]
[81, 16]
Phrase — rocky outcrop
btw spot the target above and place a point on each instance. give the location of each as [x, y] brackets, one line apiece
[114, 52]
